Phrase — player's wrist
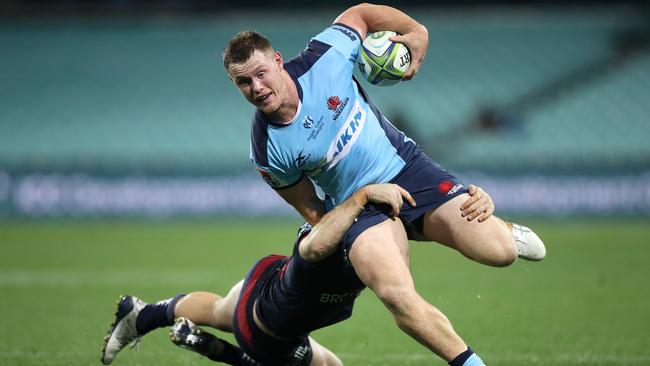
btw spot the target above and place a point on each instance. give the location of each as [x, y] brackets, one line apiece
[360, 198]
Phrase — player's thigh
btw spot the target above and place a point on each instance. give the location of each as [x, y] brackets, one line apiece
[224, 310]
[380, 258]
[489, 242]
[322, 356]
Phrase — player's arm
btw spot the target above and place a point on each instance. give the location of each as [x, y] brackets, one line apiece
[366, 18]
[326, 235]
[302, 196]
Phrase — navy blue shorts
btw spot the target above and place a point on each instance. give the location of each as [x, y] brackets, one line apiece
[429, 184]
[260, 346]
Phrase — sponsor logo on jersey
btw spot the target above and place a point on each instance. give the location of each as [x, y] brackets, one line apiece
[301, 159]
[448, 187]
[345, 31]
[268, 178]
[347, 135]
[307, 122]
[318, 126]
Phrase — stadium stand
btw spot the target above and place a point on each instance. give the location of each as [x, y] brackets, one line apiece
[149, 94]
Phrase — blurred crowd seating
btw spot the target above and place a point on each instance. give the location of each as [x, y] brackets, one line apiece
[150, 94]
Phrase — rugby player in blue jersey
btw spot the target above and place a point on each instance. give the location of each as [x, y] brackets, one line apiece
[281, 300]
[315, 124]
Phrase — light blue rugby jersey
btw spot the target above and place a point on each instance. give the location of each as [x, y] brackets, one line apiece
[338, 137]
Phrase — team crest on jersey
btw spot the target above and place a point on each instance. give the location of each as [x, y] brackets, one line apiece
[333, 102]
[445, 186]
[347, 135]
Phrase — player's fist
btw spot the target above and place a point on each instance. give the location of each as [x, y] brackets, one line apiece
[390, 194]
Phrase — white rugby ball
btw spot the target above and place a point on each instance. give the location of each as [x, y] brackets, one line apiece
[382, 61]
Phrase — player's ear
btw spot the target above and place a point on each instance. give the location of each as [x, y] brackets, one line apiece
[278, 59]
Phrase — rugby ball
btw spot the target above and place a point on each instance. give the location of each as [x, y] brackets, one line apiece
[381, 61]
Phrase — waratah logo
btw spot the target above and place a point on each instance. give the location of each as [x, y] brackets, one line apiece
[333, 102]
[445, 186]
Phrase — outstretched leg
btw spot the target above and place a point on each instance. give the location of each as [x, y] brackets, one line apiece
[135, 318]
[205, 308]
[187, 335]
[492, 242]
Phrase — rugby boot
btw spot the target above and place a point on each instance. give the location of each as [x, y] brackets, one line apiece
[529, 245]
[123, 331]
[186, 334]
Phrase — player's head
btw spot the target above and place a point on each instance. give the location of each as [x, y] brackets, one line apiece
[256, 69]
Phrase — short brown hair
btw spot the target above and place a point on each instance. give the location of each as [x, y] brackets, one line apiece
[242, 46]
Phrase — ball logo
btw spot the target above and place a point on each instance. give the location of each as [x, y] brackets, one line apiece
[377, 35]
[405, 59]
[445, 186]
[333, 102]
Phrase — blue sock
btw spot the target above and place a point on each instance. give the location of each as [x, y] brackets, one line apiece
[467, 358]
[158, 315]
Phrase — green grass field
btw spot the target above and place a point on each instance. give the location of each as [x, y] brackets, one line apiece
[588, 303]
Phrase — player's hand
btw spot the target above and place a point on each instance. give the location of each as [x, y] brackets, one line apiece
[479, 204]
[417, 41]
[390, 194]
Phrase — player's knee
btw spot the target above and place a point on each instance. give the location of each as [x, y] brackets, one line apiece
[505, 252]
[498, 249]
[322, 356]
[397, 299]
[332, 360]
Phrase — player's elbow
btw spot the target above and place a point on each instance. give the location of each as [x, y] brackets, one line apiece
[358, 11]
[312, 211]
[361, 6]
[312, 251]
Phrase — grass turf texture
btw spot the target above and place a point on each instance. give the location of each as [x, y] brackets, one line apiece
[587, 304]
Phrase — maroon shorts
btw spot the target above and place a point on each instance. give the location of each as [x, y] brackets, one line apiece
[258, 345]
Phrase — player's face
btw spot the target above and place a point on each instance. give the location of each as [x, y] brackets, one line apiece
[259, 79]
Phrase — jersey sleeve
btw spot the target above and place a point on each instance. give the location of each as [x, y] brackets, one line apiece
[275, 168]
[342, 38]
